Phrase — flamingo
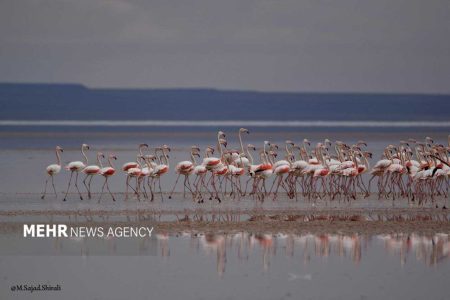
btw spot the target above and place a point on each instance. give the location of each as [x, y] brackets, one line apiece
[185, 168]
[130, 165]
[107, 172]
[240, 160]
[162, 168]
[236, 172]
[221, 169]
[201, 170]
[77, 166]
[134, 172]
[92, 170]
[262, 171]
[52, 170]
[147, 171]
[215, 165]
[280, 168]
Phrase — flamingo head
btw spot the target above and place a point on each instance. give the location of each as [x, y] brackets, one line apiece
[244, 130]
[143, 146]
[165, 147]
[195, 148]
[221, 134]
[58, 148]
[223, 142]
[289, 142]
[361, 143]
[100, 154]
[113, 156]
[149, 157]
[85, 146]
[250, 146]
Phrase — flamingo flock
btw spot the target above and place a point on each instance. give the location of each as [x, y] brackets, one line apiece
[413, 170]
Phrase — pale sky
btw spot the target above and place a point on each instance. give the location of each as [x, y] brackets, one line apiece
[277, 45]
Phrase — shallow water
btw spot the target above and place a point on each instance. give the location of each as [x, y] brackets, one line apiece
[237, 266]
[203, 265]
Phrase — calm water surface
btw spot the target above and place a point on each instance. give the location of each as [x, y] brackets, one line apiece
[236, 266]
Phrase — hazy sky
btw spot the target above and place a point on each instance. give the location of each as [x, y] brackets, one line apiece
[295, 45]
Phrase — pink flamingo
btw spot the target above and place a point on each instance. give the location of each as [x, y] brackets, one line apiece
[107, 172]
[201, 170]
[240, 160]
[162, 168]
[130, 165]
[136, 173]
[52, 170]
[92, 170]
[147, 171]
[77, 166]
[281, 168]
[185, 168]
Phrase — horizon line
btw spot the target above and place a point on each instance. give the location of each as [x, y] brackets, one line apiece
[224, 123]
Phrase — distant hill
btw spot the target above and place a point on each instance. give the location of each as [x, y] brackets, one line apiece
[71, 101]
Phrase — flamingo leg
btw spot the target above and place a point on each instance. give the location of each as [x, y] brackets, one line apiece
[149, 183]
[76, 186]
[89, 186]
[160, 190]
[53, 184]
[45, 188]
[68, 186]
[103, 189]
[85, 185]
[107, 187]
[173, 189]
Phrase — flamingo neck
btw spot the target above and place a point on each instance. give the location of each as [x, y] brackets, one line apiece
[110, 162]
[58, 158]
[156, 154]
[164, 156]
[304, 149]
[139, 161]
[265, 154]
[289, 154]
[85, 156]
[140, 149]
[99, 161]
[240, 141]
[250, 156]
[366, 163]
[219, 147]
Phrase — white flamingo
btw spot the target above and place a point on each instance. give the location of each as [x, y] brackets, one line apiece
[77, 166]
[107, 172]
[185, 168]
[92, 170]
[52, 170]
